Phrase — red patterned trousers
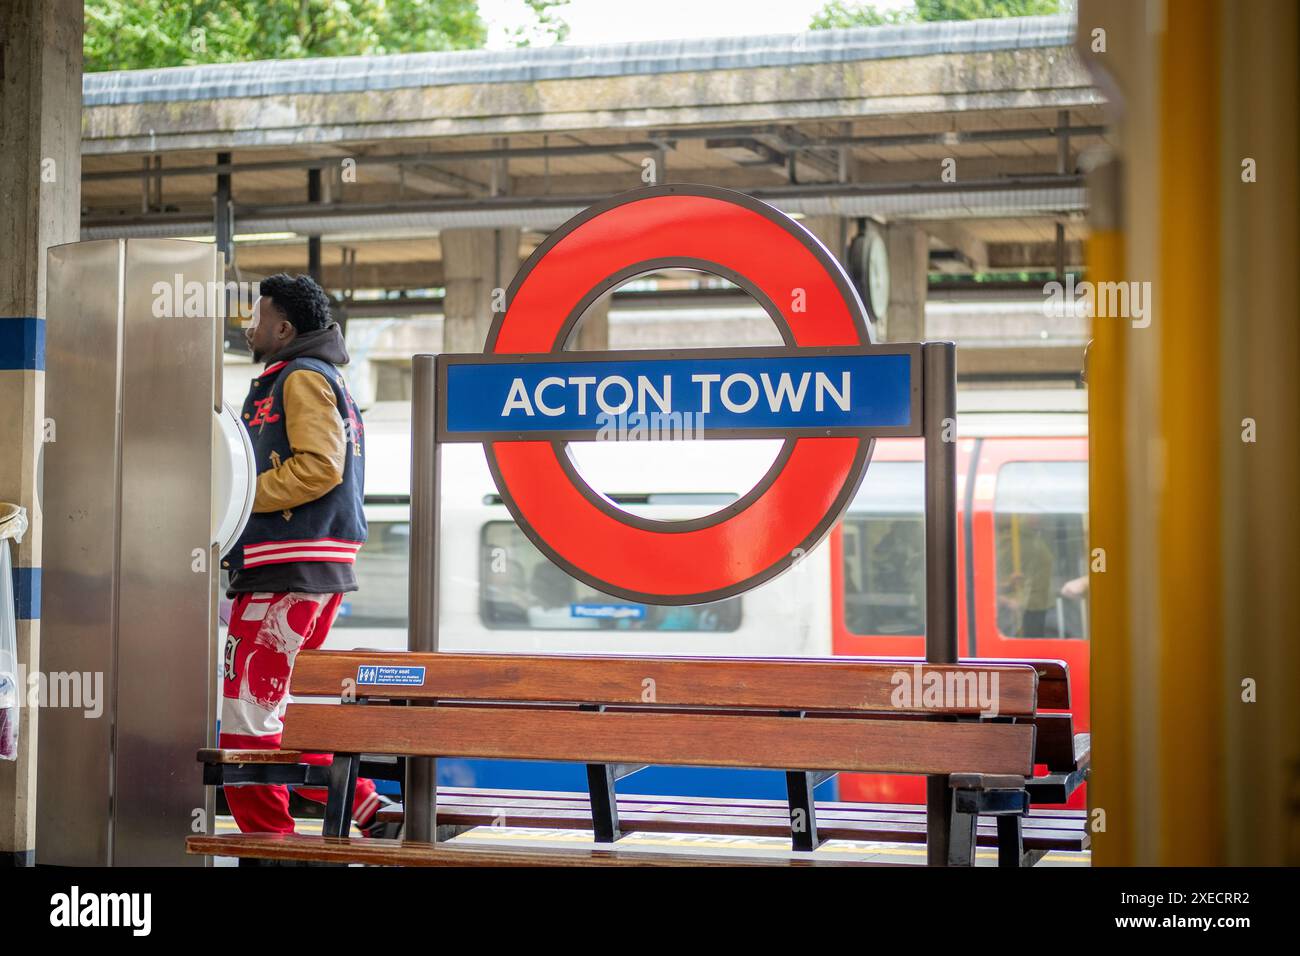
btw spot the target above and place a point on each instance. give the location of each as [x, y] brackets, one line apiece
[266, 633]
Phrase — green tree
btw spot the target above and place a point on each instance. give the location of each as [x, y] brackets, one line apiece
[547, 25]
[146, 34]
[839, 13]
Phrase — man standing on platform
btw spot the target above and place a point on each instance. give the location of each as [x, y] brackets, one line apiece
[295, 560]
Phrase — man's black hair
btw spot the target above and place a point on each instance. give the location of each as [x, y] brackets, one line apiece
[303, 302]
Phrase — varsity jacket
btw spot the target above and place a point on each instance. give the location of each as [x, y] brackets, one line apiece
[309, 445]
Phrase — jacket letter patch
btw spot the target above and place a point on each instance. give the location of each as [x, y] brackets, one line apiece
[263, 416]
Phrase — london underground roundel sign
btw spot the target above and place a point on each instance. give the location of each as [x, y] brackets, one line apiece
[829, 392]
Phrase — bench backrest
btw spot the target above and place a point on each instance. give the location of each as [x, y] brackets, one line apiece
[1055, 747]
[685, 711]
[813, 684]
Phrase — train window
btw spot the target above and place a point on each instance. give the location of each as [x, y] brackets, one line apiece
[521, 589]
[884, 551]
[380, 598]
[1039, 512]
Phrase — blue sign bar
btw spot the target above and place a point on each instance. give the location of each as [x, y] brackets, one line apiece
[731, 395]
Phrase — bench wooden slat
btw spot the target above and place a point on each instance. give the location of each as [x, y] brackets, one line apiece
[1053, 679]
[813, 684]
[373, 852]
[702, 740]
[1053, 675]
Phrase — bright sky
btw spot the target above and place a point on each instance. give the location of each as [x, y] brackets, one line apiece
[619, 21]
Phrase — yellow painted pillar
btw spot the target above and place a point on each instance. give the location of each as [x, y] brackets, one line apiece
[1191, 577]
[1110, 791]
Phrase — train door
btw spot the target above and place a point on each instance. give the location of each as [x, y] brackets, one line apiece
[1029, 513]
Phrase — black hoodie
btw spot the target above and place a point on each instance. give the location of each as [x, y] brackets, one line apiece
[326, 344]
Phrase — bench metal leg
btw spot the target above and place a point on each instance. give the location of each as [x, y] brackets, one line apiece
[1011, 844]
[604, 802]
[803, 810]
[342, 791]
[448, 831]
[601, 793]
[799, 787]
[961, 838]
[939, 821]
[1007, 804]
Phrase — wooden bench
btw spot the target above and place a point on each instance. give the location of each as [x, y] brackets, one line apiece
[1064, 754]
[811, 718]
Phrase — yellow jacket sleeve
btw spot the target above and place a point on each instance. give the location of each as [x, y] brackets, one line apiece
[316, 436]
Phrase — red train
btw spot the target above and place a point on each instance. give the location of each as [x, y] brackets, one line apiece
[1022, 559]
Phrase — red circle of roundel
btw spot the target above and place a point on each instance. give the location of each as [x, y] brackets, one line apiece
[775, 260]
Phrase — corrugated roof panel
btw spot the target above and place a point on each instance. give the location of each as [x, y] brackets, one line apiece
[353, 74]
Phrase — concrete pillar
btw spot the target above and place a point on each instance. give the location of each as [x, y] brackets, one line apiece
[40, 198]
[475, 262]
[909, 266]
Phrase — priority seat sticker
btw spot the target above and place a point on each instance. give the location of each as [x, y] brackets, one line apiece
[390, 675]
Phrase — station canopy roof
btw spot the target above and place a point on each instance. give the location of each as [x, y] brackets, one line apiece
[825, 125]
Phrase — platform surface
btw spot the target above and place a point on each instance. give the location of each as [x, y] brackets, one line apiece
[904, 853]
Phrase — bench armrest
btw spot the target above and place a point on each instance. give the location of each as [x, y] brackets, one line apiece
[985, 781]
[214, 756]
[1082, 751]
[1059, 787]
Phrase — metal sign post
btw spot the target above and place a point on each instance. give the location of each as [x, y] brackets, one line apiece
[829, 393]
[421, 792]
[939, 364]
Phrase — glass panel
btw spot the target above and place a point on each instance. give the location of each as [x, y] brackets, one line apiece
[1042, 549]
[884, 552]
[519, 588]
